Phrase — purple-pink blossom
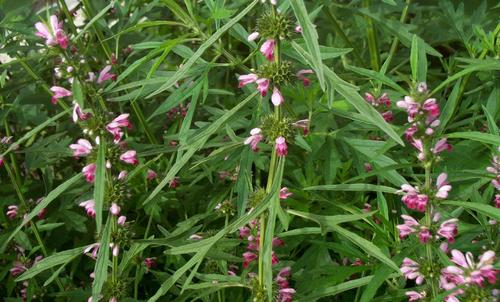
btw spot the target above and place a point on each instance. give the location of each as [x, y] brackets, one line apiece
[105, 75]
[89, 206]
[58, 93]
[129, 157]
[254, 138]
[284, 193]
[277, 98]
[410, 270]
[53, 34]
[89, 172]
[82, 148]
[267, 49]
[281, 146]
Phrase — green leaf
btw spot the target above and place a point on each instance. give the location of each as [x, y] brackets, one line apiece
[101, 264]
[479, 207]
[354, 188]
[477, 136]
[93, 20]
[418, 60]
[486, 66]
[100, 184]
[377, 76]
[331, 223]
[50, 262]
[34, 131]
[310, 37]
[195, 143]
[449, 107]
[40, 206]
[184, 69]
[336, 289]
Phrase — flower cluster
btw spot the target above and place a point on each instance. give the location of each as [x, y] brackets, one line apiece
[448, 229]
[494, 169]
[382, 104]
[251, 233]
[468, 275]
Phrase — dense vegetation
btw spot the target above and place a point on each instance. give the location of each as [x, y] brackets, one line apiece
[281, 150]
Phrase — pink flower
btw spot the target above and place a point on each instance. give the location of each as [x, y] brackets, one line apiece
[78, 114]
[387, 116]
[53, 36]
[81, 148]
[121, 220]
[277, 98]
[195, 237]
[410, 226]
[244, 232]
[12, 211]
[274, 259]
[497, 200]
[301, 76]
[253, 36]
[94, 248]
[129, 157]
[281, 146]
[150, 262]
[411, 107]
[302, 124]
[431, 107]
[415, 296]
[262, 86]
[122, 175]
[442, 186]
[89, 206]
[104, 75]
[419, 145]
[470, 272]
[267, 49]
[448, 229]
[286, 295]
[18, 268]
[284, 193]
[412, 199]
[254, 139]
[440, 146]
[174, 183]
[114, 127]
[278, 242]
[151, 175]
[298, 29]
[115, 249]
[89, 172]
[410, 270]
[248, 257]
[246, 79]
[281, 277]
[422, 87]
[58, 93]
[424, 235]
[114, 209]
[444, 247]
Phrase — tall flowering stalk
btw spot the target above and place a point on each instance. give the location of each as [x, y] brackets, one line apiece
[423, 117]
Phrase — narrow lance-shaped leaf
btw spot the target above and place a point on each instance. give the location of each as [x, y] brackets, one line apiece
[184, 69]
[99, 184]
[101, 264]
[311, 38]
[50, 262]
[40, 206]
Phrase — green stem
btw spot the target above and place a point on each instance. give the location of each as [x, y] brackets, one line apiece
[428, 223]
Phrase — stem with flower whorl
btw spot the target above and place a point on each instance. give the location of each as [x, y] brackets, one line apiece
[428, 222]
